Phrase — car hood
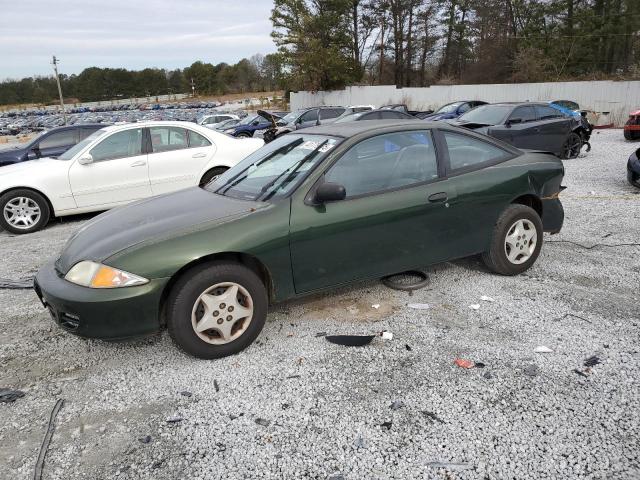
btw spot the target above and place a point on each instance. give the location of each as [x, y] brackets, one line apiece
[18, 170]
[149, 221]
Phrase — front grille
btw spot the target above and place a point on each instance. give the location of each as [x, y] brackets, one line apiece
[68, 321]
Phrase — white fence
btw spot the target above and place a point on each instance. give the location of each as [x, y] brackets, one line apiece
[618, 98]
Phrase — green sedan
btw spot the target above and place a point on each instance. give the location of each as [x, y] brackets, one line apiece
[312, 210]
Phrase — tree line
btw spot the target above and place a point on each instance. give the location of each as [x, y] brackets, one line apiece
[327, 44]
[258, 73]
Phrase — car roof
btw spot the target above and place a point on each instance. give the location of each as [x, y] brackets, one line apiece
[350, 129]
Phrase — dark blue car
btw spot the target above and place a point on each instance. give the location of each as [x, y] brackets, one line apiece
[249, 125]
[453, 110]
[50, 143]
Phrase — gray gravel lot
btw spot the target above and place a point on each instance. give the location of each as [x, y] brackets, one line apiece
[325, 409]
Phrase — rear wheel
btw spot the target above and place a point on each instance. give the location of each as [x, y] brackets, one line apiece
[217, 310]
[243, 135]
[211, 174]
[572, 146]
[631, 135]
[516, 241]
[23, 211]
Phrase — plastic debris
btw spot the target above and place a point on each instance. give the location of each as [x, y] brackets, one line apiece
[531, 370]
[186, 394]
[419, 306]
[376, 306]
[387, 425]
[25, 284]
[350, 340]
[582, 374]
[484, 298]
[215, 385]
[479, 365]
[432, 416]
[321, 334]
[386, 335]
[146, 439]
[9, 396]
[462, 363]
[543, 349]
[47, 439]
[397, 404]
[174, 419]
[592, 361]
[475, 306]
[263, 421]
[407, 347]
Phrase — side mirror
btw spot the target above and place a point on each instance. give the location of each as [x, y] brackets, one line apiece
[513, 121]
[330, 192]
[85, 159]
[34, 153]
[255, 122]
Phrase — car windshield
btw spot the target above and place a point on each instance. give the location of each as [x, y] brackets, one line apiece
[275, 169]
[449, 108]
[78, 147]
[248, 119]
[487, 114]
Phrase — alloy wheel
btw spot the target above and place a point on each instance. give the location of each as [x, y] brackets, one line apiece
[22, 213]
[520, 242]
[222, 313]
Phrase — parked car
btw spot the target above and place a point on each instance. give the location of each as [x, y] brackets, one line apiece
[632, 127]
[572, 109]
[304, 118]
[401, 107]
[633, 169]
[227, 124]
[315, 209]
[114, 166]
[453, 110]
[250, 125]
[381, 114]
[213, 120]
[50, 143]
[529, 125]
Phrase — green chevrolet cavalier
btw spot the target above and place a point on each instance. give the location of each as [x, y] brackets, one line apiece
[312, 210]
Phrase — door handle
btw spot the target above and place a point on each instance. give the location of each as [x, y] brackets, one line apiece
[198, 155]
[438, 197]
[139, 163]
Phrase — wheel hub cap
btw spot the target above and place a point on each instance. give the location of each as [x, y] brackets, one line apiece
[222, 313]
[521, 241]
[21, 212]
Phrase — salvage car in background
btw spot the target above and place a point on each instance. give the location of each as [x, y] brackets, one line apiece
[453, 110]
[50, 143]
[381, 114]
[213, 120]
[632, 126]
[314, 209]
[250, 125]
[633, 169]
[536, 126]
[114, 166]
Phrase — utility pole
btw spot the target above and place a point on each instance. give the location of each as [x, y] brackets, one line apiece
[193, 88]
[55, 69]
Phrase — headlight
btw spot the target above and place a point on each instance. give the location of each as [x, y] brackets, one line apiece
[230, 130]
[95, 275]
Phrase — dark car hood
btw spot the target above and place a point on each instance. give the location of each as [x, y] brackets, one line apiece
[150, 220]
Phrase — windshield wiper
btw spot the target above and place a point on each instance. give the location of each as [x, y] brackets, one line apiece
[239, 177]
[294, 167]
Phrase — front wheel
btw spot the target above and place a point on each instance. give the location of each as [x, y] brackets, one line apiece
[572, 146]
[23, 211]
[217, 310]
[243, 135]
[211, 174]
[516, 241]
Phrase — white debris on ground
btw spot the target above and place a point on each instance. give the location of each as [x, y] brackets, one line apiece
[301, 407]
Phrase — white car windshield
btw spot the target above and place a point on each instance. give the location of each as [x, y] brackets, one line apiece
[78, 147]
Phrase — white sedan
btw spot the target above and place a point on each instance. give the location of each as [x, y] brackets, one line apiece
[114, 166]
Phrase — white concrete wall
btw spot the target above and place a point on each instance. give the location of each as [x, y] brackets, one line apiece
[619, 98]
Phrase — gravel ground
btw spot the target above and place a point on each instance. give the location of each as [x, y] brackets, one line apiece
[295, 406]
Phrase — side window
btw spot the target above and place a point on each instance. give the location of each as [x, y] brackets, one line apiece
[84, 133]
[466, 151]
[465, 107]
[310, 116]
[331, 112]
[197, 140]
[59, 139]
[127, 143]
[547, 113]
[386, 162]
[166, 139]
[527, 114]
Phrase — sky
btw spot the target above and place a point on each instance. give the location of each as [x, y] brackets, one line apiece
[132, 34]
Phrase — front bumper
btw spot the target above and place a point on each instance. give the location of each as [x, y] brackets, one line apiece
[109, 314]
[552, 215]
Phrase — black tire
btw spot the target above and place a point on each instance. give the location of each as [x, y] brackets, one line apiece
[185, 294]
[572, 146]
[214, 172]
[243, 135]
[39, 200]
[631, 135]
[496, 258]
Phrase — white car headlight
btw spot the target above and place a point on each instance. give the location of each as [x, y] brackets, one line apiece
[95, 275]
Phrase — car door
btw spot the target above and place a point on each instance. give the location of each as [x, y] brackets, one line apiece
[522, 128]
[390, 220]
[173, 163]
[56, 143]
[118, 172]
[480, 193]
[554, 129]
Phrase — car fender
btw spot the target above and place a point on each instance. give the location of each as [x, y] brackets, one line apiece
[230, 151]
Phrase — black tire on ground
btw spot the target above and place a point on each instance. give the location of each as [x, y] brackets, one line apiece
[184, 296]
[572, 147]
[496, 258]
[35, 197]
[631, 135]
[243, 135]
[210, 174]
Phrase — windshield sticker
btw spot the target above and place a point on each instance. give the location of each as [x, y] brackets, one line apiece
[326, 147]
[309, 145]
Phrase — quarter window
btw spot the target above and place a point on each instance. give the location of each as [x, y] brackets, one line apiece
[127, 143]
[547, 113]
[59, 139]
[466, 151]
[386, 162]
[197, 140]
[166, 139]
[310, 116]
